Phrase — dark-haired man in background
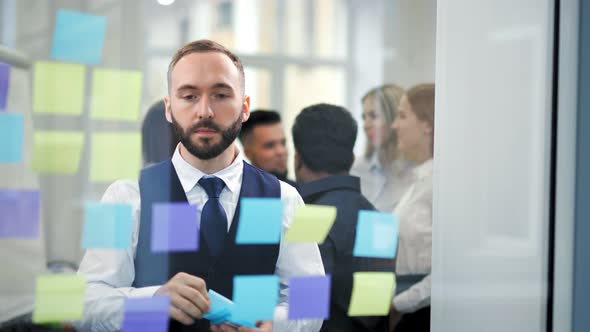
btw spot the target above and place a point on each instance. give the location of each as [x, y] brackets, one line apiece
[263, 138]
[324, 137]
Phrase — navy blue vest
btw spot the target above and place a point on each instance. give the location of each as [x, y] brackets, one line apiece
[160, 183]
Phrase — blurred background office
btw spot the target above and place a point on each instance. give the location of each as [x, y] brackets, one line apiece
[507, 175]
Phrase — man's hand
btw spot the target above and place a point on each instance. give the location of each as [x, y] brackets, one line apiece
[394, 318]
[265, 326]
[188, 297]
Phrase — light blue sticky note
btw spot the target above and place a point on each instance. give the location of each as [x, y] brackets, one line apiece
[255, 297]
[376, 235]
[260, 221]
[11, 138]
[78, 37]
[107, 226]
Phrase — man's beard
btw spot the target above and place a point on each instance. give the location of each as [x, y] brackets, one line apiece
[207, 150]
[280, 176]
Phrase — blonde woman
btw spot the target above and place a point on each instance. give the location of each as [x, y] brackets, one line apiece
[384, 176]
[414, 126]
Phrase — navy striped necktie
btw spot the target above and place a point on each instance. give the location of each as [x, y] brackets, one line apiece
[213, 217]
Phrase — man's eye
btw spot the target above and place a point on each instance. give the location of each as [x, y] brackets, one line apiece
[189, 97]
[220, 96]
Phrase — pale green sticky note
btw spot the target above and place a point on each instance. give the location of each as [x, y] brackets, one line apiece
[116, 95]
[311, 223]
[115, 156]
[59, 297]
[372, 293]
[57, 151]
[58, 88]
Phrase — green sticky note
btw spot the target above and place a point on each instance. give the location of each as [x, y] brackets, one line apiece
[57, 151]
[59, 297]
[372, 293]
[116, 95]
[311, 223]
[115, 156]
[58, 88]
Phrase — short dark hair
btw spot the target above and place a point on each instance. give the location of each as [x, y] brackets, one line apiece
[206, 45]
[158, 139]
[324, 136]
[259, 117]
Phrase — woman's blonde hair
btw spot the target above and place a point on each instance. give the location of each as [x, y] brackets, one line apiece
[421, 98]
[387, 98]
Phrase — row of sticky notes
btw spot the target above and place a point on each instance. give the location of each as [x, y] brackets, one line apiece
[61, 298]
[4, 83]
[114, 155]
[175, 227]
[58, 88]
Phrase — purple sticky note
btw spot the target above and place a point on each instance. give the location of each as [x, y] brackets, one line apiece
[4, 81]
[19, 214]
[309, 297]
[148, 314]
[175, 227]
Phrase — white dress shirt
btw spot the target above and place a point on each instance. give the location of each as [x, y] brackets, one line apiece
[382, 185]
[110, 273]
[414, 212]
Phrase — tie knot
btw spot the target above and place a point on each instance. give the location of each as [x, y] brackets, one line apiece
[212, 185]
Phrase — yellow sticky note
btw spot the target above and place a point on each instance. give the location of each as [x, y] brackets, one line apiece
[58, 88]
[311, 223]
[115, 156]
[59, 297]
[116, 95]
[372, 293]
[57, 151]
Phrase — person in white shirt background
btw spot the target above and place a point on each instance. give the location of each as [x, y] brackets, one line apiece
[384, 175]
[414, 125]
[206, 104]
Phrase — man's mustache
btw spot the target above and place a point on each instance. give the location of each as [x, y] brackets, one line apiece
[204, 124]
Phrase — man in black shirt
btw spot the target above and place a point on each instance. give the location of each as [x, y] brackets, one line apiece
[324, 137]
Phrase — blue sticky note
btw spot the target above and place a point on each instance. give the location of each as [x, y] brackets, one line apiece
[78, 37]
[148, 314]
[4, 82]
[260, 221]
[11, 138]
[175, 227]
[221, 308]
[309, 297]
[107, 226]
[19, 214]
[376, 235]
[255, 297]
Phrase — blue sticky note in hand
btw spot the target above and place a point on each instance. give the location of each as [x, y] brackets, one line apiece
[107, 226]
[11, 138]
[260, 221]
[4, 82]
[309, 297]
[175, 227]
[148, 314]
[376, 235]
[255, 298]
[221, 311]
[19, 214]
[78, 37]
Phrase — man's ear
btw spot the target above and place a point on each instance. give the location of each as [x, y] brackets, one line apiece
[168, 109]
[246, 109]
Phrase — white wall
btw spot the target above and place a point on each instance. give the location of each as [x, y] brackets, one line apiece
[493, 71]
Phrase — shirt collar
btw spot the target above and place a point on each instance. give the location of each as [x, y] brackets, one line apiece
[374, 163]
[423, 170]
[189, 175]
[330, 183]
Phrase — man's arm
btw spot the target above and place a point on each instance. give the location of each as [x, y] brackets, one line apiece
[110, 273]
[295, 260]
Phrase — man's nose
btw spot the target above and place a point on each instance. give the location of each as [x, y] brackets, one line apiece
[204, 109]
